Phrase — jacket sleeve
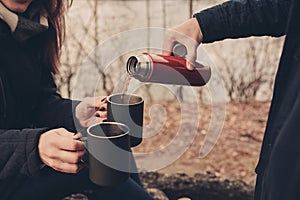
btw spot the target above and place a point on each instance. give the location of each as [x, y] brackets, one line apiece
[244, 18]
[19, 152]
[54, 111]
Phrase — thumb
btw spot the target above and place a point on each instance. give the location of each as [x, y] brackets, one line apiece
[64, 132]
[77, 136]
[191, 57]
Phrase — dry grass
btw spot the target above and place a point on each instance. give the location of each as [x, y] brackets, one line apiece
[237, 150]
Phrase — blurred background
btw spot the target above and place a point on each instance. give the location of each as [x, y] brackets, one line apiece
[247, 68]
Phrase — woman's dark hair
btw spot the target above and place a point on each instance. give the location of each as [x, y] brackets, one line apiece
[56, 33]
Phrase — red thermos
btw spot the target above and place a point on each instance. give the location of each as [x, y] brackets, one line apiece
[167, 69]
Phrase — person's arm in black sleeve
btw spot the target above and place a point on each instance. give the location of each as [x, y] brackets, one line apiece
[244, 18]
[53, 110]
[19, 152]
[56, 112]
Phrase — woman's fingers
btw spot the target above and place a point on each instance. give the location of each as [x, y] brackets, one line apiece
[69, 156]
[85, 111]
[101, 114]
[61, 166]
[100, 103]
[65, 141]
[68, 144]
[61, 150]
[77, 136]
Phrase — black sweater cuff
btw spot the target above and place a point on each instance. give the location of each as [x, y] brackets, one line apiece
[212, 23]
[33, 163]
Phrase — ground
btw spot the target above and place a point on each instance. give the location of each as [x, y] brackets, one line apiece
[236, 153]
[234, 156]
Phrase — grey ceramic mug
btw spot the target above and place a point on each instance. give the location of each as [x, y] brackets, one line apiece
[109, 153]
[127, 109]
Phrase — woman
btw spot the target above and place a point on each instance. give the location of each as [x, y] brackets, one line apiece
[40, 151]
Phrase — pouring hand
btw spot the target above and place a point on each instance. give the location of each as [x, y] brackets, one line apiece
[188, 34]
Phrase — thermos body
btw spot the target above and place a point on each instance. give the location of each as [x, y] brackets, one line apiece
[167, 70]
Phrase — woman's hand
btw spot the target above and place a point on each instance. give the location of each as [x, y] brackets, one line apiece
[91, 111]
[61, 150]
[188, 34]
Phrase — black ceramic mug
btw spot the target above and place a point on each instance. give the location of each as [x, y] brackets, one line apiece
[109, 153]
[127, 109]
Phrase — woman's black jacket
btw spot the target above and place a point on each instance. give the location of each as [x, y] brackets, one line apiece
[29, 106]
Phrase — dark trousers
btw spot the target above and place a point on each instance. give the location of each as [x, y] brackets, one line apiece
[257, 192]
[51, 185]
